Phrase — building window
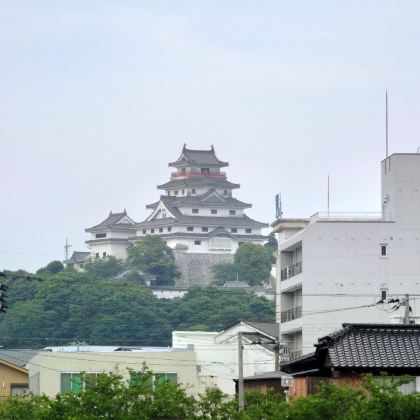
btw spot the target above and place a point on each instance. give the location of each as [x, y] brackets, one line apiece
[160, 230]
[183, 192]
[100, 235]
[169, 229]
[152, 231]
[97, 255]
[70, 382]
[19, 390]
[193, 191]
[139, 378]
[234, 230]
[195, 211]
[103, 254]
[204, 229]
[205, 170]
[190, 229]
[213, 211]
[225, 192]
[232, 212]
[220, 244]
[176, 192]
[163, 215]
[197, 242]
[168, 192]
[144, 231]
[248, 230]
[384, 250]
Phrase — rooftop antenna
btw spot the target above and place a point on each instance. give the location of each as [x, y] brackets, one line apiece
[386, 122]
[67, 246]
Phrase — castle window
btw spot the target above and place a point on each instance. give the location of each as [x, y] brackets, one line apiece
[225, 192]
[197, 242]
[169, 229]
[205, 170]
[160, 230]
[234, 230]
[384, 250]
[213, 211]
[193, 191]
[144, 231]
[190, 228]
[204, 229]
[152, 231]
[97, 255]
[248, 230]
[232, 212]
[103, 254]
[176, 192]
[195, 211]
[163, 215]
[168, 192]
[100, 235]
[183, 192]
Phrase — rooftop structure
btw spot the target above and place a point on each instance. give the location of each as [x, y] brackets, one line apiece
[334, 267]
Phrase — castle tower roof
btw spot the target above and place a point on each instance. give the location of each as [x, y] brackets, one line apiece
[190, 157]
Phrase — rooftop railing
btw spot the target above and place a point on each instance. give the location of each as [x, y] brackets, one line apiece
[191, 173]
[352, 216]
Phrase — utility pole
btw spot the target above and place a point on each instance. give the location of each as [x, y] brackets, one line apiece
[67, 246]
[277, 356]
[240, 372]
[407, 309]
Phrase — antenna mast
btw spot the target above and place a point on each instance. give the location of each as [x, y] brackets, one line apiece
[386, 123]
[328, 194]
[67, 246]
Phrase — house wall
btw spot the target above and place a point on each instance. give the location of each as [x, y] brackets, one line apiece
[49, 366]
[8, 376]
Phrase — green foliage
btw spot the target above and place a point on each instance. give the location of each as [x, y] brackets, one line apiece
[110, 397]
[253, 263]
[271, 247]
[53, 267]
[71, 306]
[225, 272]
[103, 268]
[153, 256]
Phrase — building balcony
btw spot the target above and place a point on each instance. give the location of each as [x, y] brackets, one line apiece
[351, 217]
[291, 270]
[175, 175]
[291, 314]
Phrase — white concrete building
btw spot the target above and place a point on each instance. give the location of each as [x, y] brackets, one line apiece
[334, 261]
[217, 352]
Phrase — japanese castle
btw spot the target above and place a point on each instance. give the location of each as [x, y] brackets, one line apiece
[197, 213]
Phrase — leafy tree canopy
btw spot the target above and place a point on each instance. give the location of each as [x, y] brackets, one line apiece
[104, 268]
[153, 256]
[271, 246]
[53, 267]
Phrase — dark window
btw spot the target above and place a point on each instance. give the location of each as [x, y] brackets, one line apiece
[104, 254]
[70, 382]
[234, 230]
[248, 230]
[384, 250]
[152, 231]
[160, 230]
[193, 191]
[169, 229]
[183, 192]
[213, 211]
[100, 235]
[197, 242]
[97, 255]
[232, 212]
[225, 192]
[204, 229]
[176, 192]
[195, 211]
[144, 231]
[190, 228]
[205, 170]
[169, 193]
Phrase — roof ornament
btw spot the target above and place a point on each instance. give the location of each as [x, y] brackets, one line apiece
[184, 147]
[125, 211]
[212, 148]
[110, 212]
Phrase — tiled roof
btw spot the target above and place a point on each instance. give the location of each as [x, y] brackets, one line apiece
[373, 345]
[198, 157]
[18, 357]
[112, 222]
[270, 328]
[199, 182]
[79, 256]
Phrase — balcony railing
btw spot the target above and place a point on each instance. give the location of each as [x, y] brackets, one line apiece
[191, 173]
[291, 314]
[352, 216]
[291, 270]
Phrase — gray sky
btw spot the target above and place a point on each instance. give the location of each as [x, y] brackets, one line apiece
[96, 97]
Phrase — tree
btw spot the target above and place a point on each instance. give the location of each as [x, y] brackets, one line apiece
[253, 263]
[224, 272]
[53, 267]
[153, 256]
[105, 268]
[271, 246]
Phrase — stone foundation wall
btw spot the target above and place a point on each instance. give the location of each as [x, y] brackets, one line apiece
[196, 269]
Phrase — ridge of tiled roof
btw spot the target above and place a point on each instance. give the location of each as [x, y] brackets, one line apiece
[198, 157]
[111, 221]
[373, 345]
[18, 357]
[270, 328]
[197, 182]
[79, 256]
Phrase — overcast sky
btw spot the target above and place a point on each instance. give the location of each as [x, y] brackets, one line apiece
[96, 97]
